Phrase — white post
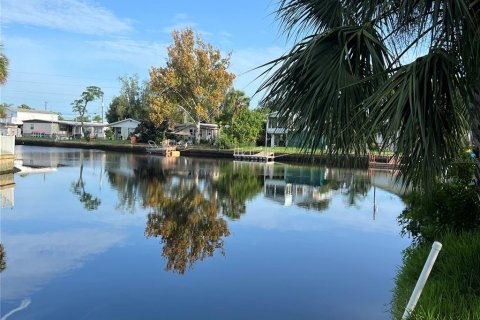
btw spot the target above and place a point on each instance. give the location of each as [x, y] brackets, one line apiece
[436, 247]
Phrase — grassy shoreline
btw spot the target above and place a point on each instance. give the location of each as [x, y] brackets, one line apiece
[453, 288]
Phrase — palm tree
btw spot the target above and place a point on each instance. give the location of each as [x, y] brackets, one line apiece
[407, 70]
[3, 67]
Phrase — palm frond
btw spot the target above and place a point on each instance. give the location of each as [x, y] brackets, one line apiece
[310, 15]
[421, 110]
[317, 88]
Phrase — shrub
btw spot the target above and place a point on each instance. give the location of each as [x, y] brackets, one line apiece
[109, 134]
[451, 206]
[453, 288]
[225, 141]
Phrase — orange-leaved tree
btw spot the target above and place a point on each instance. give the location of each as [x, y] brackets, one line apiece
[193, 83]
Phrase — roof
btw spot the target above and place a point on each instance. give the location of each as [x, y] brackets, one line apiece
[31, 111]
[8, 124]
[70, 123]
[124, 120]
[78, 123]
[39, 120]
[202, 125]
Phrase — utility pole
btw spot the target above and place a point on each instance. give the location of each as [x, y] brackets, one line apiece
[102, 108]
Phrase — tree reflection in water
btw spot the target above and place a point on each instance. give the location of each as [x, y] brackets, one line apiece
[189, 226]
[235, 186]
[189, 198]
[3, 258]
[78, 188]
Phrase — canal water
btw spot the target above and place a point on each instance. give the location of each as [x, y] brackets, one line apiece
[98, 235]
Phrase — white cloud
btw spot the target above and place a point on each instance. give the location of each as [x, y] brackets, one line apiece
[57, 71]
[138, 53]
[182, 21]
[179, 26]
[52, 254]
[77, 16]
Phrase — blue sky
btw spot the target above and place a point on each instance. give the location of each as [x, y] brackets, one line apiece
[58, 47]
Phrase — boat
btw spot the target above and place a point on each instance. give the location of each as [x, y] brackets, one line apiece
[164, 150]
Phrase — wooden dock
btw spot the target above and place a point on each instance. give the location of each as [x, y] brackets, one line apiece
[256, 155]
[164, 150]
[382, 162]
[7, 153]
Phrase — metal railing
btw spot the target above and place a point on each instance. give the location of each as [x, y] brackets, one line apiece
[254, 153]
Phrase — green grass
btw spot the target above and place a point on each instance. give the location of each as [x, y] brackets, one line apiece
[105, 141]
[453, 289]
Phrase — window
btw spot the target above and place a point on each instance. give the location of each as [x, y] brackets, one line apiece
[32, 126]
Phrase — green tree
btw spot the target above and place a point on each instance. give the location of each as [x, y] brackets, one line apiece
[234, 102]
[97, 118]
[245, 127]
[24, 106]
[80, 105]
[132, 102]
[3, 67]
[240, 125]
[3, 109]
[349, 78]
[195, 80]
[82, 119]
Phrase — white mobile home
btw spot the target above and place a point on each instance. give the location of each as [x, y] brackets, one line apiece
[123, 129]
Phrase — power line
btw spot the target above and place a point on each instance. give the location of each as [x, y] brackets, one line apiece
[6, 92]
[58, 84]
[38, 92]
[59, 75]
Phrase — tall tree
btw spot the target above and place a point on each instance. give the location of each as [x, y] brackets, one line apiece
[3, 109]
[90, 94]
[235, 100]
[244, 128]
[3, 67]
[132, 102]
[350, 78]
[240, 124]
[194, 80]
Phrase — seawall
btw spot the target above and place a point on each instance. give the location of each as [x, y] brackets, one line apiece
[140, 148]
